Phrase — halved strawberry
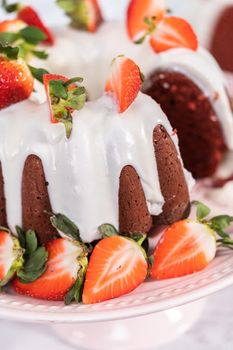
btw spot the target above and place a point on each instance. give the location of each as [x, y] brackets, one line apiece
[12, 25]
[124, 82]
[11, 257]
[31, 17]
[67, 262]
[64, 96]
[185, 247]
[117, 266]
[46, 80]
[85, 14]
[16, 80]
[139, 13]
[173, 32]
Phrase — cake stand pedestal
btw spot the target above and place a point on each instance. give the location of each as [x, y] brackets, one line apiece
[138, 333]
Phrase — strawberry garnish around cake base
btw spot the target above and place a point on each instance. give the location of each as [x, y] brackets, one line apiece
[188, 246]
[124, 82]
[84, 14]
[28, 15]
[117, 266]
[64, 96]
[11, 257]
[65, 261]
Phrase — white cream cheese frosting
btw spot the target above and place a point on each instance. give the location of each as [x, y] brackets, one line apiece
[83, 172]
[78, 53]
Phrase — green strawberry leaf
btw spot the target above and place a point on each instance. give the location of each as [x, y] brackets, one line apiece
[57, 88]
[10, 8]
[32, 35]
[21, 236]
[75, 292]
[38, 73]
[8, 277]
[66, 226]
[65, 97]
[40, 54]
[220, 223]
[30, 276]
[107, 230]
[34, 266]
[9, 51]
[78, 12]
[202, 210]
[36, 260]
[7, 38]
[31, 241]
[66, 5]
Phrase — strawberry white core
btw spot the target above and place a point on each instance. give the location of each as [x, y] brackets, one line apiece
[7, 256]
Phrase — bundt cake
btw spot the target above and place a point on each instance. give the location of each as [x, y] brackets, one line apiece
[187, 83]
[122, 169]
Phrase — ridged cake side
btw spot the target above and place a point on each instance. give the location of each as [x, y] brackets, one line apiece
[80, 177]
[36, 207]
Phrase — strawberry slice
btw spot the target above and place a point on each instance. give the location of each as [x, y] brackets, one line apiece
[16, 80]
[139, 13]
[173, 32]
[117, 266]
[85, 14]
[124, 82]
[64, 96]
[31, 17]
[11, 257]
[12, 26]
[66, 263]
[185, 247]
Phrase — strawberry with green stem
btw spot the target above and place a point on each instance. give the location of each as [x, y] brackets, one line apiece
[16, 77]
[65, 269]
[117, 266]
[28, 15]
[26, 38]
[64, 96]
[188, 246]
[20, 256]
[11, 257]
[84, 14]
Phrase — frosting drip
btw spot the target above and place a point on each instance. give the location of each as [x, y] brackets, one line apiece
[83, 172]
[90, 56]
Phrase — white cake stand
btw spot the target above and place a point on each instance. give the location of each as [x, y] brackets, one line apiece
[154, 314]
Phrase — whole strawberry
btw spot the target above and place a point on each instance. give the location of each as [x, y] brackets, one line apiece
[16, 80]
